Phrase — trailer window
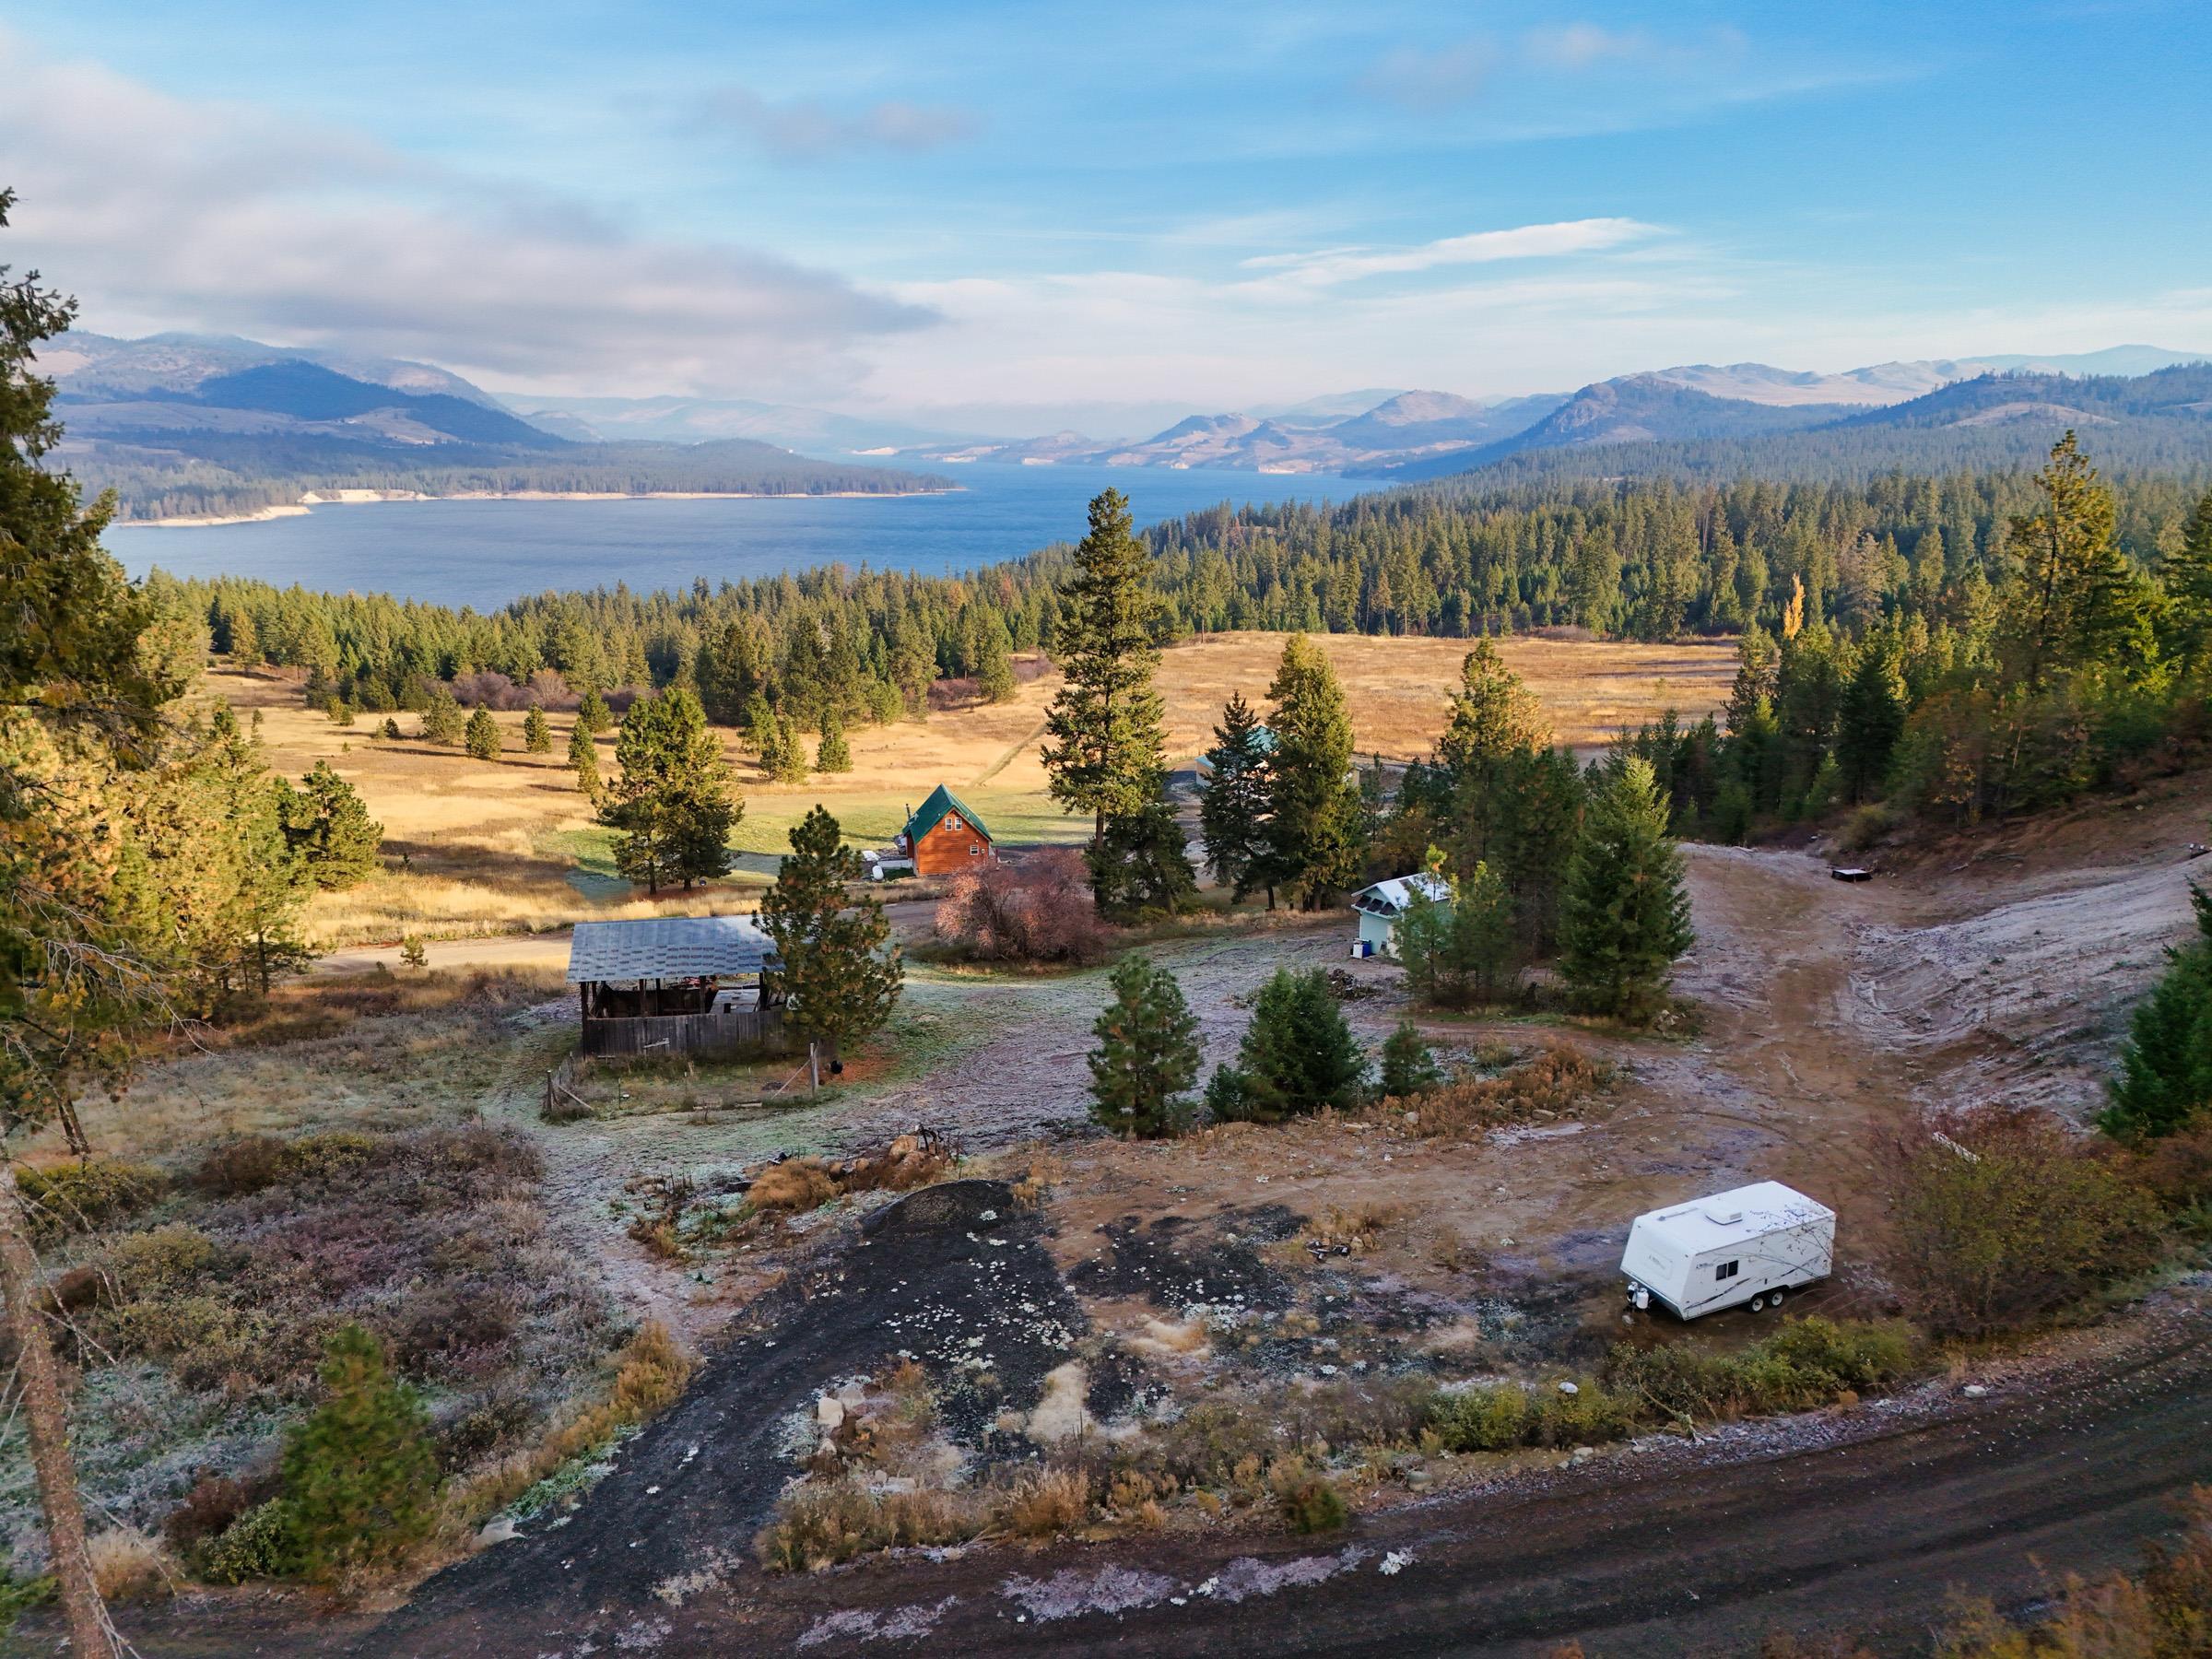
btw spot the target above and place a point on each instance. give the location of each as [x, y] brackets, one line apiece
[1727, 1270]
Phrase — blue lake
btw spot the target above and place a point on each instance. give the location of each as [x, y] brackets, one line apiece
[486, 553]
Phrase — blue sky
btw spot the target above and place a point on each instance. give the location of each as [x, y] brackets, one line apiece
[1024, 216]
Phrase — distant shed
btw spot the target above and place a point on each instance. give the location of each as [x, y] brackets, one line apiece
[1381, 905]
[671, 984]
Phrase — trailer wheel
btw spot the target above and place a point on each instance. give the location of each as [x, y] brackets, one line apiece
[1758, 1304]
[1774, 1300]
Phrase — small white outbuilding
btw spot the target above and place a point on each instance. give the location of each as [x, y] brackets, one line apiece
[1751, 1245]
[1381, 905]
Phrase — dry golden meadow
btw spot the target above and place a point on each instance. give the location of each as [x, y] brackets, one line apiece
[485, 847]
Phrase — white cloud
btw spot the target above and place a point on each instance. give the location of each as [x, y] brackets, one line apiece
[1430, 79]
[808, 130]
[1330, 267]
[168, 213]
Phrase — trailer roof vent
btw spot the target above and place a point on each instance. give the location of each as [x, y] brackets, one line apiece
[1722, 1215]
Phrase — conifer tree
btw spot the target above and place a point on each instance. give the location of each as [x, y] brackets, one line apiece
[482, 738]
[1233, 804]
[832, 968]
[538, 734]
[2165, 1079]
[1871, 719]
[443, 720]
[671, 806]
[1107, 756]
[784, 760]
[1459, 950]
[583, 760]
[2072, 601]
[361, 1475]
[594, 715]
[1626, 912]
[759, 728]
[1297, 1057]
[331, 836]
[994, 662]
[2186, 576]
[1311, 830]
[1408, 1068]
[831, 754]
[1143, 865]
[1148, 1055]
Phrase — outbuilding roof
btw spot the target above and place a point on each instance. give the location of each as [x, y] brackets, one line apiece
[941, 801]
[670, 948]
[1735, 1216]
[1394, 897]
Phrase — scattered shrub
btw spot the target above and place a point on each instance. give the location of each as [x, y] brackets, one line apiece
[77, 1197]
[1806, 1363]
[241, 1166]
[443, 1329]
[328, 1156]
[263, 1542]
[1555, 1082]
[1036, 909]
[1309, 1501]
[1502, 1418]
[2004, 1218]
[210, 1508]
[163, 1259]
[819, 1524]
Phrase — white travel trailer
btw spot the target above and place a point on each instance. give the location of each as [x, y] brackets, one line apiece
[1748, 1245]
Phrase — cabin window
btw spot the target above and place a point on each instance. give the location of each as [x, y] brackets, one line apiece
[1727, 1270]
[974, 851]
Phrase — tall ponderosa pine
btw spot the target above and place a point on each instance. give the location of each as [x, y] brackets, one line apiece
[1516, 800]
[1107, 753]
[1148, 1055]
[2186, 575]
[1626, 912]
[2165, 1079]
[1232, 805]
[361, 1475]
[994, 659]
[73, 985]
[326, 824]
[583, 760]
[1143, 865]
[1871, 719]
[672, 805]
[1298, 1054]
[2073, 601]
[1312, 826]
[832, 967]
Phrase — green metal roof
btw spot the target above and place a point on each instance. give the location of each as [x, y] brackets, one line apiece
[941, 801]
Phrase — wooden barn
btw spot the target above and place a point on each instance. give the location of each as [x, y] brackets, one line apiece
[672, 984]
[945, 837]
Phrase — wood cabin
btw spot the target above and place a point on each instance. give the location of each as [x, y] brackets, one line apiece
[672, 984]
[945, 837]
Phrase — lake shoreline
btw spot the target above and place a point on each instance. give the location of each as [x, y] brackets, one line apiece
[359, 498]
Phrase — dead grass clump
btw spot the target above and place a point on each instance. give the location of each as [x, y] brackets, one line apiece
[1552, 1083]
[1045, 1503]
[1357, 1229]
[793, 1187]
[130, 1565]
[1307, 1498]
[239, 1167]
[822, 1522]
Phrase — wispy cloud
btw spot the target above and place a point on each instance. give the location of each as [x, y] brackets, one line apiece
[1439, 79]
[1329, 266]
[808, 130]
[169, 213]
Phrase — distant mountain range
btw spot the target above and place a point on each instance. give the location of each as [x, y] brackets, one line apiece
[1429, 434]
[190, 425]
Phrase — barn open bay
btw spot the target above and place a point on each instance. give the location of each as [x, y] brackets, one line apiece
[484, 553]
